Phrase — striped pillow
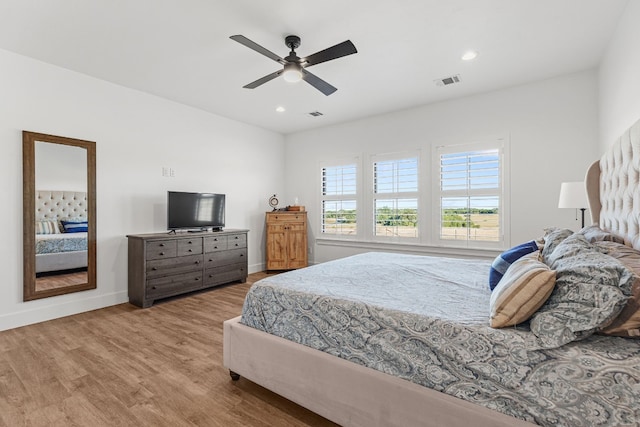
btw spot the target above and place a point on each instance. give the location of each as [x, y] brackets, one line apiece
[47, 227]
[523, 289]
[75, 226]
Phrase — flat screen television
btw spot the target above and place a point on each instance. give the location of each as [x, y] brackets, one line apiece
[195, 211]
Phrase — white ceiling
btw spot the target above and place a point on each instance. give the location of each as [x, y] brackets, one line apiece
[180, 49]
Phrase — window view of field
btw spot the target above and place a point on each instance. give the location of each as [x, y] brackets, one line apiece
[396, 221]
[457, 224]
[474, 224]
[342, 222]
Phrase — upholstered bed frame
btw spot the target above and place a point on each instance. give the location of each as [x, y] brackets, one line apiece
[56, 205]
[613, 187]
[353, 395]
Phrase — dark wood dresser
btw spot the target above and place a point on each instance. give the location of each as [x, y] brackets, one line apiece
[162, 265]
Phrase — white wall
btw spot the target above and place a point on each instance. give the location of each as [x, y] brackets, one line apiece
[136, 135]
[60, 167]
[619, 81]
[553, 132]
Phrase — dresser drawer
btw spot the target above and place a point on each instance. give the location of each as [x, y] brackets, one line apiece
[236, 241]
[233, 256]
[297, 217]
[190, 246]
[184, 264]
[215, 243]
[225, 274]
[159, 249]
[174, 284]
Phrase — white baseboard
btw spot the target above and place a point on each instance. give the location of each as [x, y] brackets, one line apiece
[58, 309]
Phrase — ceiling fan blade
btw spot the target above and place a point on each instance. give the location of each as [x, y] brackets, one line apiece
[263, 80]
[255, 46]
[341, 49]
[318, 83]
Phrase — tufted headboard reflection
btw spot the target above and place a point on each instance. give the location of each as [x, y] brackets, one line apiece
[613, 188]
[60, 205]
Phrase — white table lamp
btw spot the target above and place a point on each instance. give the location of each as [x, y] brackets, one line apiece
[573, 195]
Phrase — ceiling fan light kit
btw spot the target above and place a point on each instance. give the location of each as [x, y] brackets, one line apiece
[294, 67]
[292, 73]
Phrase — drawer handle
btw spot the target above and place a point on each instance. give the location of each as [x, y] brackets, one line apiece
[197, 279]
[215, 247]
[190, 242]
[162, 245]
[241, 255]
[215, 239]
[154, 268]
[237, 237]
[190, 250]
[153, 287]
[161, 253]
[198, 262]
[237, 244]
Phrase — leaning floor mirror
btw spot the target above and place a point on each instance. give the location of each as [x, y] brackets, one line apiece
[59, 214]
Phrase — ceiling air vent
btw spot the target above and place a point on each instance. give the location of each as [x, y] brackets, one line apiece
[315, 113]
[448, 80]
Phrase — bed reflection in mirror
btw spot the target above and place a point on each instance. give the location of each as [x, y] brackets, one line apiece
[59, 215]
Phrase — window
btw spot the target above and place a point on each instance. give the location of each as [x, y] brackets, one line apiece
[470, 194]
[448, 196]
[339, 206]
[395, 198]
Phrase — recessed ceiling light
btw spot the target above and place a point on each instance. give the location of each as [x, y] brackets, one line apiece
[470, 55]
[281, 109]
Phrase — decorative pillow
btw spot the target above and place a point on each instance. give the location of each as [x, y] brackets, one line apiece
[593, 233]
[552, 238]
[522, 290]
[504, 260]
[591, 290]
[47, 227]
[627, 324]
[75, 226]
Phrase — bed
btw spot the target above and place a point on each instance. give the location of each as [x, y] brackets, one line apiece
[435, 361]
[61, 231]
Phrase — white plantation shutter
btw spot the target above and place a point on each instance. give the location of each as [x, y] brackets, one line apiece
[470, 193]
[395, 189]
[338, 195]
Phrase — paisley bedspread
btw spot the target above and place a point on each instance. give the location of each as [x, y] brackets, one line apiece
[65, 242]
[426, 319]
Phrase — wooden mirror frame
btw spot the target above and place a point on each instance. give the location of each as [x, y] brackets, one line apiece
[29, 140]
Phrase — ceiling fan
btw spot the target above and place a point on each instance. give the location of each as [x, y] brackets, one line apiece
[294, 67]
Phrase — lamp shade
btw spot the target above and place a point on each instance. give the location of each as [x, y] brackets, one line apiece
[573, 195]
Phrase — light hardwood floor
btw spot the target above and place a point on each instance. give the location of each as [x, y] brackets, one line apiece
[52, 281]
[125, 366]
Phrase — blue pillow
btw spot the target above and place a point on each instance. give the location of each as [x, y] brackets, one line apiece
[75, 226]
[506, 258]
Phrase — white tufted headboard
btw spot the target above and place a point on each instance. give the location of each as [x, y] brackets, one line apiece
[60, 205]
[613, 188]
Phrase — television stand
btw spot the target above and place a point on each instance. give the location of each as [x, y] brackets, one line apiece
[162, 265]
